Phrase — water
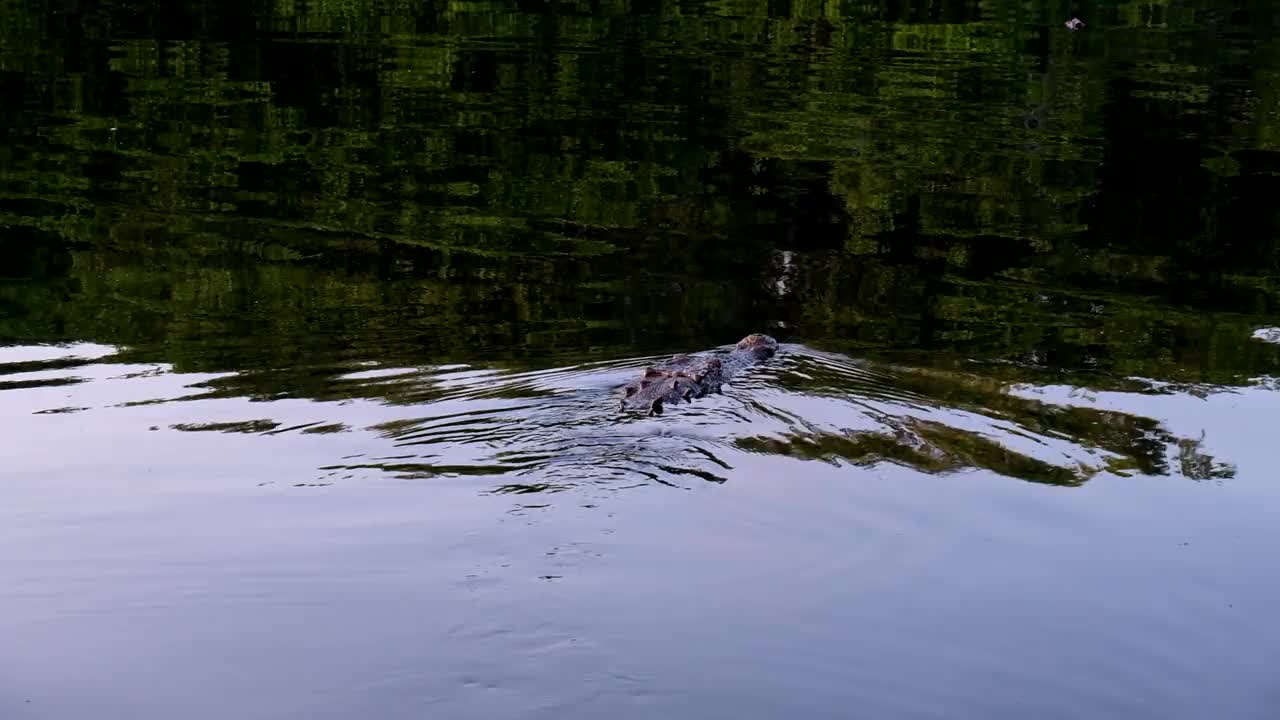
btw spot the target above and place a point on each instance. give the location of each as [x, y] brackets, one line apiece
[312, 320]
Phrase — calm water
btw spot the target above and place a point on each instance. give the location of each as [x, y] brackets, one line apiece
[313, 315]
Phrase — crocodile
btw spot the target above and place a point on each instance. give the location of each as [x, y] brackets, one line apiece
[685, 377]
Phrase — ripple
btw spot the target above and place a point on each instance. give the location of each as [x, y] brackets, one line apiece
[806, 405]
[1267, 335]
[551, 429]
[243, 426]
[17, 358]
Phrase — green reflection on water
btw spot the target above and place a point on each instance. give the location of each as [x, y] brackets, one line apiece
[527, 183]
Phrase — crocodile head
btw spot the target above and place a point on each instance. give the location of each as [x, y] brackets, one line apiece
[762, 346]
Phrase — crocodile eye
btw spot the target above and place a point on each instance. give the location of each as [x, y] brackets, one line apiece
[630, 390]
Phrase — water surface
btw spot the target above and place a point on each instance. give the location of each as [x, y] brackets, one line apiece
[312, 320]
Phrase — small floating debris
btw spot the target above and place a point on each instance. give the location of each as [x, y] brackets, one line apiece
[1267, 335]
[1074, 24]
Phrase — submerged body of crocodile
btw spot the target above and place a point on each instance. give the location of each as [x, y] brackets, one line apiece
[685, 377]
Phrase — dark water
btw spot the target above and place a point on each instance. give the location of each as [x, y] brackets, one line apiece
[312, 317]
